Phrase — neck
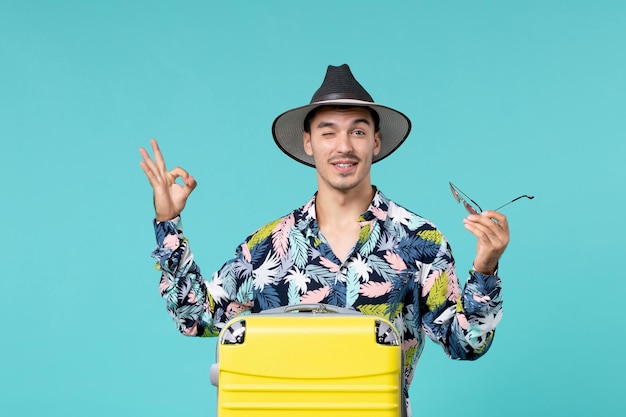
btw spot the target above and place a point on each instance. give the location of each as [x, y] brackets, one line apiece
[336, 207]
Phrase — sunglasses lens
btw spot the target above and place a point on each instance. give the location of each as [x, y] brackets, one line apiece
[468, 206]
[456, 195]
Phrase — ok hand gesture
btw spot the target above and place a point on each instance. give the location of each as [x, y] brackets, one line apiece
[169, 196]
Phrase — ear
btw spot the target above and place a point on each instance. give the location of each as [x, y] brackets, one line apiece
[306, 141]
[376, 143]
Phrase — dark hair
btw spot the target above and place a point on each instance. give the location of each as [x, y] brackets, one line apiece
[311, 115]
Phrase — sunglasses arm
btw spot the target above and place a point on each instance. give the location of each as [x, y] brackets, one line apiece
[530, 197]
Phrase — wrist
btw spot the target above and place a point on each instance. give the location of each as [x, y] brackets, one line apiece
[165, 217]
[485, 269]
[162, 219]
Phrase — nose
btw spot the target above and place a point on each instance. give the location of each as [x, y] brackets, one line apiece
[344, 143]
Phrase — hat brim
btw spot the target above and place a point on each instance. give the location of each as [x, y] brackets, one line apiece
[288, 129]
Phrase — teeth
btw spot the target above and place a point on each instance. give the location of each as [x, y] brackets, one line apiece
[344, 165]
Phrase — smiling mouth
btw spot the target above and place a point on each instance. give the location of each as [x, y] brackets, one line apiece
[344, 163]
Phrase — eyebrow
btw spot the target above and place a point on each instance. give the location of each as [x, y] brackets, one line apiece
[323, 124]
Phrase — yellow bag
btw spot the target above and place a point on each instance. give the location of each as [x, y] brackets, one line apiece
[308, 360]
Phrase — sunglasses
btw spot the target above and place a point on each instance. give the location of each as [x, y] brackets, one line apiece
[471, 206]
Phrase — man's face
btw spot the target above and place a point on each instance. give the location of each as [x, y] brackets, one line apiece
[343, 143]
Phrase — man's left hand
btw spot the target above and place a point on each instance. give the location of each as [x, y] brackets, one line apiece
[492, 230]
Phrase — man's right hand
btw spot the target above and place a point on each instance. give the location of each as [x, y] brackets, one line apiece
[169, 196]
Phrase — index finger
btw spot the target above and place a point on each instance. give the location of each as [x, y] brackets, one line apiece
[499, 218]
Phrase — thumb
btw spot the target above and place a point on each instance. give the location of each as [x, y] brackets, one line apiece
[190, 182]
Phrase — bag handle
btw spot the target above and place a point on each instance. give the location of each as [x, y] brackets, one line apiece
[311, 308]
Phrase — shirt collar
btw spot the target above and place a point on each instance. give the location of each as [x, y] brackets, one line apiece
[306, 218]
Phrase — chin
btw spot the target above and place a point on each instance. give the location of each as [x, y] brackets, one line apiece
[344, 186]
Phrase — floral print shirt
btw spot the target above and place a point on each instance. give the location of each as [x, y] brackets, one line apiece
[401, 268]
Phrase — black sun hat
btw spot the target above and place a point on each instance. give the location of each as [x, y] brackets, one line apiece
[339, 88]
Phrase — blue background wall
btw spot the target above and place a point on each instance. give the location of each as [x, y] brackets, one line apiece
[507, 97]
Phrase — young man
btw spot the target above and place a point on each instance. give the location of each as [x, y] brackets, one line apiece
[348, 246]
